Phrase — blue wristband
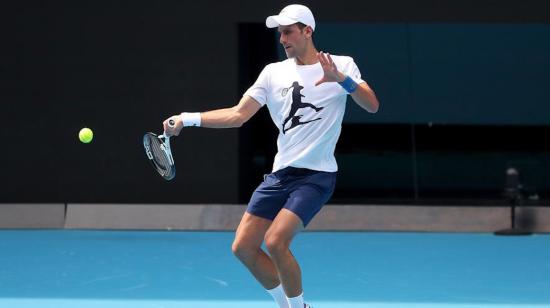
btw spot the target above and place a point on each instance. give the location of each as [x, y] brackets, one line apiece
[349, 84]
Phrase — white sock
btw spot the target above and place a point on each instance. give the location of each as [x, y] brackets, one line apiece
[296, 302]
[279, 296]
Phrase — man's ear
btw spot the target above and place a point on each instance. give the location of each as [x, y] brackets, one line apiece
[309, 31]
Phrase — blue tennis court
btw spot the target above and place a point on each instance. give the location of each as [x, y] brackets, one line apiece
[76, 268]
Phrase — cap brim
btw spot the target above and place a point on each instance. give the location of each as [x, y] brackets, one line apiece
[277, 20]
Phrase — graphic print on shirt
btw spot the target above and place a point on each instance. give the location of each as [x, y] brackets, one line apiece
[297, 104]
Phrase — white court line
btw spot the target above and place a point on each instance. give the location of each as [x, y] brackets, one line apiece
[96, 303]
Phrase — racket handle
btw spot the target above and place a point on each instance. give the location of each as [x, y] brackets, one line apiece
[171, 124]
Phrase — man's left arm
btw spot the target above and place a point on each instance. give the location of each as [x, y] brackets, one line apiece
[363, 95]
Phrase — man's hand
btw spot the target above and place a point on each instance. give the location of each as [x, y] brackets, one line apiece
[331, 73]
[175, 129]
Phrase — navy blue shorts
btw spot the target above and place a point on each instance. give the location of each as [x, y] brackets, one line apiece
[302, 191]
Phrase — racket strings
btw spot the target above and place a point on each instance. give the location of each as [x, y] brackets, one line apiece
[159, 156]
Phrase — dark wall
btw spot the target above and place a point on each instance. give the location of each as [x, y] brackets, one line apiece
[120, 68]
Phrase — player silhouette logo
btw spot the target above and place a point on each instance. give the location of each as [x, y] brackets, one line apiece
[298, 104]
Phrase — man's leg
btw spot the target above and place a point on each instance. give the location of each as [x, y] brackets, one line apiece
[247, 248]
[277, 239]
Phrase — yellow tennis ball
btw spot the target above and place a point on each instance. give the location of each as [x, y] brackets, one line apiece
[85, 135]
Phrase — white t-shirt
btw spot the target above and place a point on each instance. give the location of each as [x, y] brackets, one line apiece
[309, 117]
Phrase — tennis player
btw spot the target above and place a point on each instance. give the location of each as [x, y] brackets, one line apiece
[306, 97]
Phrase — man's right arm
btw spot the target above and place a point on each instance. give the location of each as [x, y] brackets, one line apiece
[235, 116]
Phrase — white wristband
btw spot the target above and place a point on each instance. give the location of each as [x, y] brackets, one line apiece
[191, 118]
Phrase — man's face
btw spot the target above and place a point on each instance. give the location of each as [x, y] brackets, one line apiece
[293, 39]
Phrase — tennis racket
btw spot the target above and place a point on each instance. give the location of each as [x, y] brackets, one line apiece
[285, 91]
[157, 149]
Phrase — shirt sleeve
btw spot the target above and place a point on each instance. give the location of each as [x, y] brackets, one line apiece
[259, 89]
[352, 71]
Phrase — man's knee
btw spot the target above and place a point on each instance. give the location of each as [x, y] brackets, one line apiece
[243, 250]
[276, 245]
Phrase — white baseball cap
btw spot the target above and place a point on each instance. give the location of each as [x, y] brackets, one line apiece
[292, 14]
